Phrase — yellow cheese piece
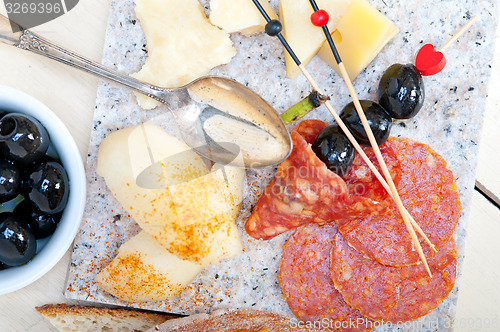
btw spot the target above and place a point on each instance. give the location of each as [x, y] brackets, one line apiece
[360, 35]
[305, 38]
[235, 181]
[182, 44]
[144, 271]
[203, 230]
[192, 215]
[239, 15]
[125, 153]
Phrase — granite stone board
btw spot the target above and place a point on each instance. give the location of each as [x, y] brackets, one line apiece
[450, 122]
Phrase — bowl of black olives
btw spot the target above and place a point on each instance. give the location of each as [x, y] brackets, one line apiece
[42, 189]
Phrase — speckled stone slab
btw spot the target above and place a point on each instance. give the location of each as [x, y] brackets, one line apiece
[450, 122]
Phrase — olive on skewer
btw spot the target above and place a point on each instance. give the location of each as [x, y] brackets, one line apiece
[334, 148]
[379, 120]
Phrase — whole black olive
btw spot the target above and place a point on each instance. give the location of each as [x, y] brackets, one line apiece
[3, 266]
[380, 122]
[17, 242]
[23, 139]
[41, 224]
[10, 181]
[334, 149]
[47, 187]
[401, 91]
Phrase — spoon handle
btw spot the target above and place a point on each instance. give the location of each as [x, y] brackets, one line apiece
[27, 40]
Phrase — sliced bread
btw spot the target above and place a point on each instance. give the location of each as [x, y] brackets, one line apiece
[69, 318]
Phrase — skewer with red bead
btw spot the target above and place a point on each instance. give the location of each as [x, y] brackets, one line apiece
[320, 18]
[273, 28]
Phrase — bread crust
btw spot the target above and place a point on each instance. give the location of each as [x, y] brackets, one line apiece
[231, 320]
[95, 318]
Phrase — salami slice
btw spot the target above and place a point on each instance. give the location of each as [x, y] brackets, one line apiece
[307, 284]
[428, 192]
[310, 129]
[392, 294]
[362, 181]
[304, 191]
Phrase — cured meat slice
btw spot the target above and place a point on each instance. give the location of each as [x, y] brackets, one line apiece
[428, 192]
[310, 129]
[304, 191]
[307, 284]
[362, 181]
[387, 293]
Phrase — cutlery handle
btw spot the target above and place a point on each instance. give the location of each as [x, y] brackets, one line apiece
[32, 42]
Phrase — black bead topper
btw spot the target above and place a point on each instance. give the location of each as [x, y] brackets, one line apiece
[273, 28]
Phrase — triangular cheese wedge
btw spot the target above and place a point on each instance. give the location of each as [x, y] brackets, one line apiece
[239, 15]
[305, 38]
[360, 35]
[144, 271]
[184, 207]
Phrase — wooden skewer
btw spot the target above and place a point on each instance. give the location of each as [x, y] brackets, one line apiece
[383, 166]
[363, 155]
[388, 179]
[373, 143]
[342, 125]
[458, 34]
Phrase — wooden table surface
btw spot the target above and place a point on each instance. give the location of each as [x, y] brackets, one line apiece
[71, 95]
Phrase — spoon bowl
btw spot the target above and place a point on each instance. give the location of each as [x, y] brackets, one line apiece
[219, 118]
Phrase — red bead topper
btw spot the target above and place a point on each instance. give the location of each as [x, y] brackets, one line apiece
[429, 61]
[319, 18]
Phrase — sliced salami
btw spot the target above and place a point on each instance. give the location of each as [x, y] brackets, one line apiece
[310, 129]
[307, 285]
[428, 192]
[305, 191]
[392, 294]
[362, 181]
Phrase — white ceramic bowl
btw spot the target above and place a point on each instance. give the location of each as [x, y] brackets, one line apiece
[53, 248]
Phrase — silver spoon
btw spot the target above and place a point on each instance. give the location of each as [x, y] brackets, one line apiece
[219, 118]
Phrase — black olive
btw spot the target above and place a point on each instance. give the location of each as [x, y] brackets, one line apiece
[380, 122]
[47, 187]
[334, 149]
[23, 139]
[401, 91]
[17, 242]
[10, 181]
[41, 224]
[3, 266]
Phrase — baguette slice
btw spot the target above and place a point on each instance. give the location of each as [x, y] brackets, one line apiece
[243, 320]
[82, 318]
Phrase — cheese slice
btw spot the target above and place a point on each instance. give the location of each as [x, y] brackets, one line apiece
[360, 35]
[126, 153]
[144, 271]
[182, 44]
[203, 230]
[239, 15]
[191, 213]
[304, 37]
